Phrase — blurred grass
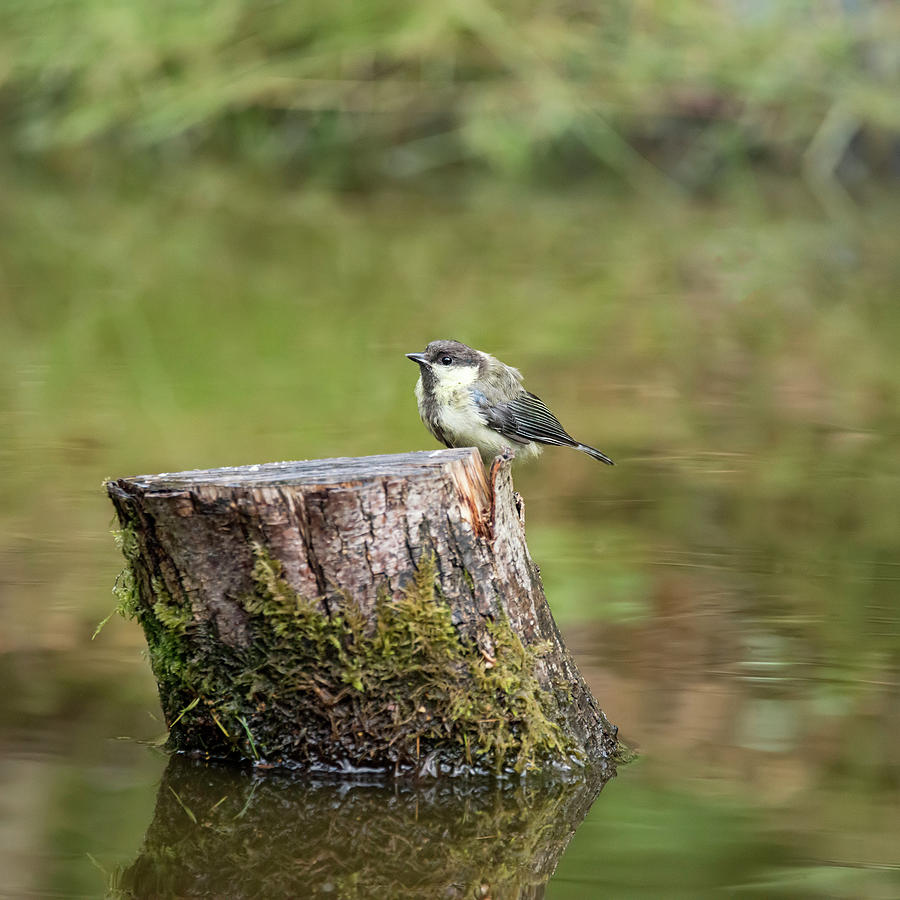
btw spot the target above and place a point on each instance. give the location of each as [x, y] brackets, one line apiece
[356, 93]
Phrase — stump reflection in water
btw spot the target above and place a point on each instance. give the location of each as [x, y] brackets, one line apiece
[227, 832]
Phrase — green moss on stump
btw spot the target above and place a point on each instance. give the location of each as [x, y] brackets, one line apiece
[336, 691]
[125, 588]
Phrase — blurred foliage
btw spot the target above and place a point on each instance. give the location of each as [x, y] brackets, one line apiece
[390, 88]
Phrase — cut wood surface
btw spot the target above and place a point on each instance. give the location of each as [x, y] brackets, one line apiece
[281, 602]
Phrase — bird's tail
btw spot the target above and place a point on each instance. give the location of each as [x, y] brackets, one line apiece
[594, 453]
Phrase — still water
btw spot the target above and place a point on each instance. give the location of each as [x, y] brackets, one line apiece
[730, 588]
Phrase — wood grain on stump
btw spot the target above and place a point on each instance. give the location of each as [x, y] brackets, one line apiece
[276, 599]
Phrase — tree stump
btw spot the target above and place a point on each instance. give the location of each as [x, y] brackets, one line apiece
[372, 613]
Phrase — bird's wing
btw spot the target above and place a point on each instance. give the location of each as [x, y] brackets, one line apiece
[525, 418]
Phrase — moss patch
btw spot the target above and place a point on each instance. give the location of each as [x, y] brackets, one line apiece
[402, 692]
[625, 754]
[125, 586]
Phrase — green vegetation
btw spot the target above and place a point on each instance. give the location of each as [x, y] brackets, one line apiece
[352, 93]
[328, 689]
[125, 588]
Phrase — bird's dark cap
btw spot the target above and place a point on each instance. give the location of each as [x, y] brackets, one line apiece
[437, 350]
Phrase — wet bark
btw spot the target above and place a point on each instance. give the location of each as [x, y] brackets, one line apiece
[350, 527]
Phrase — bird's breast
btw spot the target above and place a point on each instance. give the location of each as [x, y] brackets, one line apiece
[449, 412]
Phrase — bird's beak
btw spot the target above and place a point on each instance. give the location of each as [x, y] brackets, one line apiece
[418, 358]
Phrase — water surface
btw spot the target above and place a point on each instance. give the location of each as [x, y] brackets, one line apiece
[730, 588]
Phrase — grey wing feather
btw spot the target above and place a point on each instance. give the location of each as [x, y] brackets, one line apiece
[499, 417]
[525, 418]
[536, 423]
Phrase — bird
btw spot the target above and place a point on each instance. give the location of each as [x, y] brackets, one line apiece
[468, 398]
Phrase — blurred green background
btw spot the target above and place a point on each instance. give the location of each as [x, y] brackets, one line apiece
[222, 224]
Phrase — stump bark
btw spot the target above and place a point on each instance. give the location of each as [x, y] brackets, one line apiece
[367, 613]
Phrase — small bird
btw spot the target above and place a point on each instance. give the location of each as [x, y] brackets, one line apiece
[470, 399]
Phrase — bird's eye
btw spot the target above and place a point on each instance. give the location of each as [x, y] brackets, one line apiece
[446, 360]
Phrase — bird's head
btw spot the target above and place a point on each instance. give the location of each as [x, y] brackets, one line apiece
[449, 364]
